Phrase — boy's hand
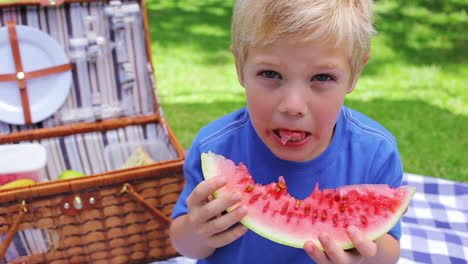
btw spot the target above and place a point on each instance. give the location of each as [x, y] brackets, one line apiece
[334, 254]
[207, 224]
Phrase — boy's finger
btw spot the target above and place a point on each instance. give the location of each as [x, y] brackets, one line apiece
[228, 236]
[210, 198]
[315, 253]
[217, 206]
[223, 223]
[204, 189]
[365, 247]
[332, 250]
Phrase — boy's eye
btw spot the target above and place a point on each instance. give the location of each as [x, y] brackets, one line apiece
[270, 74]
[322, 78]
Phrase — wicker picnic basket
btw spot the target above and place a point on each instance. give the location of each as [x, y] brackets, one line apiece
[112, 215]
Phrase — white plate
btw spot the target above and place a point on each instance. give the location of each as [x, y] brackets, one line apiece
[46, 94]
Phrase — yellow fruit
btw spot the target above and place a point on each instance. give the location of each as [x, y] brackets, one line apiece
[17, 183]
[70, 174]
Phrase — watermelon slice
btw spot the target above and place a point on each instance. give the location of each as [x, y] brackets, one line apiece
[276, 215]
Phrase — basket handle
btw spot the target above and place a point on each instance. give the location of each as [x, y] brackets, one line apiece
[127, 188]
[13, 229]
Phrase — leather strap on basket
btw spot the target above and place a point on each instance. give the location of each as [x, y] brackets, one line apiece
[20, 76]
[13, 229]
[127, 188]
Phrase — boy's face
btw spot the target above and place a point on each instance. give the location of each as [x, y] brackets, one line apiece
[295, 90]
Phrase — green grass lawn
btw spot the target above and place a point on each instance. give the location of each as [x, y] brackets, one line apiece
[415, 83]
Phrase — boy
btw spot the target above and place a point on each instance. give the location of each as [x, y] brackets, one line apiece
[296, 59]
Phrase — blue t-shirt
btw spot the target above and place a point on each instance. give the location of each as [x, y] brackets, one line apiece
[361, 151]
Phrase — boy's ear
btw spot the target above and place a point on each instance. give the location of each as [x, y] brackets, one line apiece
[358, 73]
[238, 67]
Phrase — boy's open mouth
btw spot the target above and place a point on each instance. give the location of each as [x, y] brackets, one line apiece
[290, 136]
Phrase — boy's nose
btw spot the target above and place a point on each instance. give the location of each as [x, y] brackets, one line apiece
[293, 102]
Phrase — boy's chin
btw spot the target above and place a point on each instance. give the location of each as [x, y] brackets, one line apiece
[293, 155]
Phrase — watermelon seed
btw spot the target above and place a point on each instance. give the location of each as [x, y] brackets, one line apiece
[363, 220]
[298, 204]
[266, 207]
[324, 216]
[337, 198]
[254, 198]
[344, 198]
[285, 208]
[250, 188]
[307, 209]
[335, 220]
[266, 196]
[387, 209]
[343, 208]
[280, 186]
[314, 215]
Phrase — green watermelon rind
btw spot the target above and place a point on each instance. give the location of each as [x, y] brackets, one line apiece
[209, 171]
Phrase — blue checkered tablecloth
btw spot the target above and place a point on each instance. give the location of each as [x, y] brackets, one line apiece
[435, 228]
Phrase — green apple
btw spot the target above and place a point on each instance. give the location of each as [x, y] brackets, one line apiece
[70, 174]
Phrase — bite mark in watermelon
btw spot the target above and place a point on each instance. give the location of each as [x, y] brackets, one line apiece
[274, 214]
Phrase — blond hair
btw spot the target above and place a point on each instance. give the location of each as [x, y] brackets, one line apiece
[348, 22]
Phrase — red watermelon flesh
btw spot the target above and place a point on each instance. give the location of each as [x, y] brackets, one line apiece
[276, 215]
